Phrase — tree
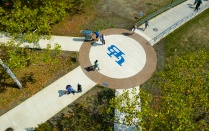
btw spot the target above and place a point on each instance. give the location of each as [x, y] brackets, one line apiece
[182, 99]
[86, 114]
[17, 57]
[30, 20]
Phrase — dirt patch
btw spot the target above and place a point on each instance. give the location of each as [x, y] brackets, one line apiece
[33, 80]
[104, 14]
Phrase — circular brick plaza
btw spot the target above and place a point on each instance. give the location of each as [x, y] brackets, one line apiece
[125, 61]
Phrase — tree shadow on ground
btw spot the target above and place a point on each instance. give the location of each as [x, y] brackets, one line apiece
[105, 95]
[8, 85]
[28, 78]
[87, 113]
[3, 82]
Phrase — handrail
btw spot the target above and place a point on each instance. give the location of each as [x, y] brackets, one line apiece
[177, 24]
[158, 12]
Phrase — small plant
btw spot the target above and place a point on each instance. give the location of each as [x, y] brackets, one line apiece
[43, 127]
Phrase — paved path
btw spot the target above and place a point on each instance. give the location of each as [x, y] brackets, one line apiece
[174, 17]
[46, 103]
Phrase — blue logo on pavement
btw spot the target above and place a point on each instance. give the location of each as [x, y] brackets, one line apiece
[117, 53]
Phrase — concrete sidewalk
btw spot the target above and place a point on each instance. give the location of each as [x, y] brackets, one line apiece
[67, 43]
[48, 102]
[174, 18]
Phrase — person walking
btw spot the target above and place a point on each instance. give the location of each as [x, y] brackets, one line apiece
[97, 34]
[79, 89]
[133, 29]
[69, 89]
[102, 38]
[198, 4]
[195, 2]
[146, 25]
[96, 65]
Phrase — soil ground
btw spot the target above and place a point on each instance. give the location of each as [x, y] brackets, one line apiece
[33, 80]
[103, 14]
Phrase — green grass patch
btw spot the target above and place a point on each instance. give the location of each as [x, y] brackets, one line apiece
[86, 113]
[103, 14]
[190, 37]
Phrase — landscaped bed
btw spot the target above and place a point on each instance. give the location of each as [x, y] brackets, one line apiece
[98, 15]
[34, 78]
[105, 14]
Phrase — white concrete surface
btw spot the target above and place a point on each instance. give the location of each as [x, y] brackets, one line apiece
[161, 22]
[169, 18]
[121, 115]
[46, 103]
[66, 43]
[134, 57]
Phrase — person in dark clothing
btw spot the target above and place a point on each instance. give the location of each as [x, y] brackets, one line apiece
[79, 88]
[102, 38]
[96, 65]
[195, 2]
[198, 4]
[146, 25]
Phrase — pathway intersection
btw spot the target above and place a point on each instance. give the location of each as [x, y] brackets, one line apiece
[125, 61]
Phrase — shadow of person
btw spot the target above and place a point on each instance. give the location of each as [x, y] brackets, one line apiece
[191, 6]
[89, 68]
[78, 39]
[61, 92]
[126, 33]
[96, 43]
[140, 29]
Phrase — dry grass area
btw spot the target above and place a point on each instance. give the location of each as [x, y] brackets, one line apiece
[103, 14]
[97, 15]
[86, 113]
[34, 78]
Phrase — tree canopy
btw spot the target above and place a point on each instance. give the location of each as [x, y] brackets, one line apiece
[27, 19]
[181, 101]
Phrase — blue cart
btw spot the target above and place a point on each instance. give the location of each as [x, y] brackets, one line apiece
[87, 34]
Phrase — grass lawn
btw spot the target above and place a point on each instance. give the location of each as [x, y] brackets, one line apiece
[97, 15]
[34, 78]
[190, 37]
[104, 14]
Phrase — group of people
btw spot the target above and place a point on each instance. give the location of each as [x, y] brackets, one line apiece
[69, 89]
[102, 37]
[146, 24]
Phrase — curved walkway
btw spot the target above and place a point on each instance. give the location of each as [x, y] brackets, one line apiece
[111, 74]
[48, 102]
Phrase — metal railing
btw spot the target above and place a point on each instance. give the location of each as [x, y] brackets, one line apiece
[177, 24]
[159, 12]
